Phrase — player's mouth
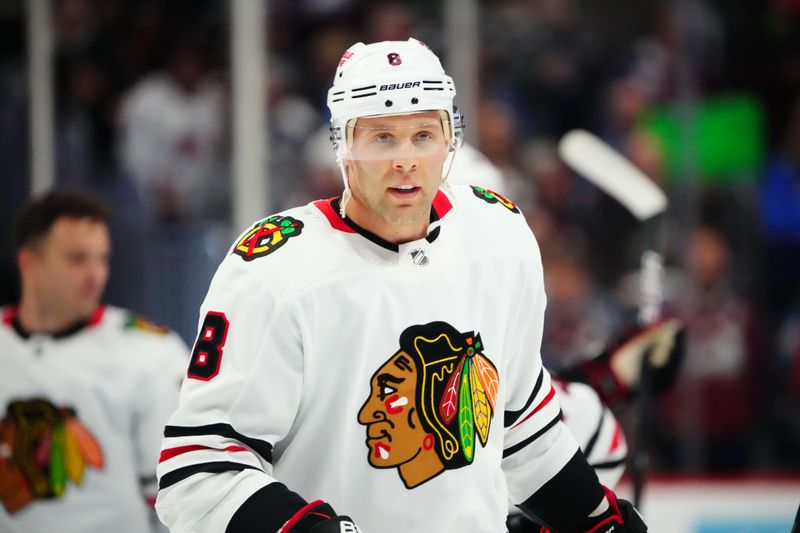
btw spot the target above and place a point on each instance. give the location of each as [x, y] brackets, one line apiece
[405, 191]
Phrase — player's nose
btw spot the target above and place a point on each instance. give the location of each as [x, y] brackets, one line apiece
[405, 164]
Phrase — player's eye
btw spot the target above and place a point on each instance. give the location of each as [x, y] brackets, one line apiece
[382, 138]
[77, 258]
[424, 136]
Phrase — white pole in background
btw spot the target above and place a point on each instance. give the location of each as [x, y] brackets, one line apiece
[248, 68]
[40, 95]
[462, 36]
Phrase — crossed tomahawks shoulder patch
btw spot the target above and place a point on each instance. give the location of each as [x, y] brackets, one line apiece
[267, 236]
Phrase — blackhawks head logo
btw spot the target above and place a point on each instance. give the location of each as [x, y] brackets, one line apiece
[42, 447]
[493, 198]
[267, 236]
[430, 403]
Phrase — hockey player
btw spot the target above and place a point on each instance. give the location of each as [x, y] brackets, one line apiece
[378, 353]
[85, 389]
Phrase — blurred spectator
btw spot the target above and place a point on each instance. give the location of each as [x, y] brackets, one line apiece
[580, 318]
[499, 134]
[708, 420]
[83, 137]
[554, 200]
[541, 56]
[171, 137]
[292, 121]
[388, 21]
[171, 143]
[324, 48]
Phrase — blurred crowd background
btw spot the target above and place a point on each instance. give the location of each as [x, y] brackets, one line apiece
[703, 95]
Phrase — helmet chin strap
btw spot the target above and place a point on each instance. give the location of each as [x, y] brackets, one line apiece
[448, 165]
[346, 194]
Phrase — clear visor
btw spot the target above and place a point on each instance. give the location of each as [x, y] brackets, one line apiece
[374, 139]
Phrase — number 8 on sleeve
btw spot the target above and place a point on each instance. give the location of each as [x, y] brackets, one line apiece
[207, 352]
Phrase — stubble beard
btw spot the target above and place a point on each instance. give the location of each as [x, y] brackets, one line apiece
[406, 215]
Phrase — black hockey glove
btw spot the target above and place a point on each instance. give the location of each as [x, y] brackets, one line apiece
[319, 517]
[620, 517]
[614, 374]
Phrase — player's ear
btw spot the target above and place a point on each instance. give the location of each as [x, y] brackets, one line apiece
[25, 259]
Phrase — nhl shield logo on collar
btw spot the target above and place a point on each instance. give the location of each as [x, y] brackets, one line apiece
[418, 257]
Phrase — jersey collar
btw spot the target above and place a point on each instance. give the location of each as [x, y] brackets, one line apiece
[330, 208]
[11, 318]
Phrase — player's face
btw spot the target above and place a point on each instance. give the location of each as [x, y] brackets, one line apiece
[395, 171]
[70, 268]
[394, 432]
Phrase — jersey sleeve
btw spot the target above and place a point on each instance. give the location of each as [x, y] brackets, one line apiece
[536, 443]
[239, 398]
[598, 432]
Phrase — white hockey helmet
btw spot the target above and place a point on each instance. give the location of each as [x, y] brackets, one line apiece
[389, 78]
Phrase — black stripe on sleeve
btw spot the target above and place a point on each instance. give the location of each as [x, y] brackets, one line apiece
[517, 447]
[513, 416]
[216, 467]
[263, 448]
[587, 450]
[608, 465]
[267, 509]
[565, 501]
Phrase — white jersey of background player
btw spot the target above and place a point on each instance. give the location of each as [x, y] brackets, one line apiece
[111, 384]
[83, 404]
[380, 350]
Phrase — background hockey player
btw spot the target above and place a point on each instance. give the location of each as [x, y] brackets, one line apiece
[85, 389]
[379, 351]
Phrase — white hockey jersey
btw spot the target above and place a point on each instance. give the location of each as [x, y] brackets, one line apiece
[401, 383]
[83, 416]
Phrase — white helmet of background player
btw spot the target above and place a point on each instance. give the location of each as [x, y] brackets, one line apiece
[389, 78]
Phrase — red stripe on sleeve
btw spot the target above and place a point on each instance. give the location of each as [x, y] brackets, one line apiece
[169, 453]
[539, 407]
